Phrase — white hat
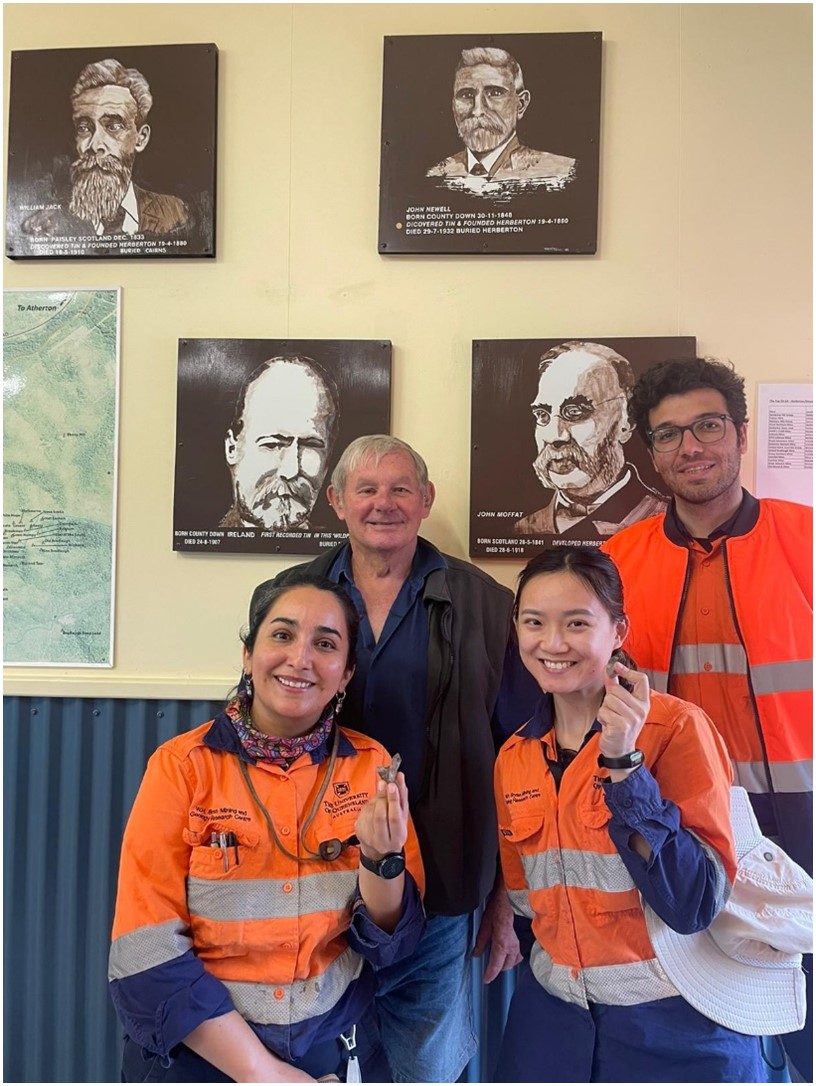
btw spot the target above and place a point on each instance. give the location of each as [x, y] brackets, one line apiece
[745, 970]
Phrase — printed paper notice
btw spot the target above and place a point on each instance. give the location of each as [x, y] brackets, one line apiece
[60, 399]
[785, 443]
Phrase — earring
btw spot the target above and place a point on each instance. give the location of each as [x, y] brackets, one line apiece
[338, 701]
[248, 685]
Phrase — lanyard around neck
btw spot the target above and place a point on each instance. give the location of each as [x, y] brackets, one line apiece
[327, 850]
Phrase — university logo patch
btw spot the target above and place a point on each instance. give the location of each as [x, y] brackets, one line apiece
[341, 788]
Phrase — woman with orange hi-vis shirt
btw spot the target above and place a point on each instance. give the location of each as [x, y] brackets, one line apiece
[612, 801]
[267, 870]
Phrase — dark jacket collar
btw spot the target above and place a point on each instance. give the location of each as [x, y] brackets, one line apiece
[741, 523]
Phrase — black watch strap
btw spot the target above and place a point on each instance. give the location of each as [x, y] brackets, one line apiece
[626, 761]
[391, 865]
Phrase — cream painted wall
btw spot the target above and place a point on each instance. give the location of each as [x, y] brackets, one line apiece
[704, 229]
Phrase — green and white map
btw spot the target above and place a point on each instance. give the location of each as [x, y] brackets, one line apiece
[60, 392]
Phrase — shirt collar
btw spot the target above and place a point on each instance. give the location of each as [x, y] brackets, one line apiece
[578, 509]
[426, 559]
[489, 160]
[131, 210]
[740, 523]
[130, 214]
[543, 720]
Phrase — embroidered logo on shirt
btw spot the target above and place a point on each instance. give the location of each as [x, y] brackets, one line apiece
[209, 814]
[342, 788]
[350, 803]
[523, 796]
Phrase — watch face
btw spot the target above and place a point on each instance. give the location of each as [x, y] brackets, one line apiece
[391, 866]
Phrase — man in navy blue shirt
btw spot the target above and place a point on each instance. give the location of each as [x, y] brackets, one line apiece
[434, 655]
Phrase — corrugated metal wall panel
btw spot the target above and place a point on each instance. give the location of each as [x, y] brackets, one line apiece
[71, 769]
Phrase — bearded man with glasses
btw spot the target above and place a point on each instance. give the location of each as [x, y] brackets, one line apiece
[719, 594]
[581, 426]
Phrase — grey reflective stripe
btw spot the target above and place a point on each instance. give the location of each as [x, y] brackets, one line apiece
[619, 985]
[694, 659]
[147, 947]
[267, 899]
[722, 887]
[752, 776]
[574, 867]
[520, 900]
[785, 776]
[792, 776]
[658, 680]
[782, 678]
[284, 1004]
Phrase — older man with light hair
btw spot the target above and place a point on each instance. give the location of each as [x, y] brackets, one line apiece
[434, 661]
[489, 99]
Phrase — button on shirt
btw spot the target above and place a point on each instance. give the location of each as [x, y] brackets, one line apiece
[386, 697]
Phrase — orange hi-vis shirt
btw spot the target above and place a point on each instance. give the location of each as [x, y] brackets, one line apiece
[710, 667]
[733, 631]
[563, 871]
[270, 927]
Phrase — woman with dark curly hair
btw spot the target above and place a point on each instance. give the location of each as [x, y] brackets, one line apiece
[267, 870]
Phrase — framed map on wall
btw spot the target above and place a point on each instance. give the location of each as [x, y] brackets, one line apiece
[60, 398]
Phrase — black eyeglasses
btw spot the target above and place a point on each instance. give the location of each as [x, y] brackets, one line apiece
[707, 430]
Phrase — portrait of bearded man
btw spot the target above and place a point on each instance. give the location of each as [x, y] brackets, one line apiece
[109, 105]
[581, 426]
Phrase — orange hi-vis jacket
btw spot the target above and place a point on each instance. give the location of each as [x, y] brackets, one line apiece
[563, 871]
[767, 559]
[272, 930]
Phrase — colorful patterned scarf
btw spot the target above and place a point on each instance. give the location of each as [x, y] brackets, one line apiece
[267, 748]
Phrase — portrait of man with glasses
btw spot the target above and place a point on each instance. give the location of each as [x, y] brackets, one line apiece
[581, 427]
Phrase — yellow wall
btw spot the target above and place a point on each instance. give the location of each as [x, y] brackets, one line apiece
[705, 230]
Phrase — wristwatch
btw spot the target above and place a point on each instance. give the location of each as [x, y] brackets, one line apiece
[391, 865]
[626, 761]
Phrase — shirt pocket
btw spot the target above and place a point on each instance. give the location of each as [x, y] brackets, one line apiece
[216, 890]
[593, 812]
[603, 871]
[237, 861]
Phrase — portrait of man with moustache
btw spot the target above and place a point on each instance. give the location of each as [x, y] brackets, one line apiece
[581, 426]
[555, 457]
[278, 445]
[259, 426]
[490, 144]
[110, 105]
[489, 100]
[105, 156]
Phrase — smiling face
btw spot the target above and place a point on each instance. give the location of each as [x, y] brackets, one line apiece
[279, 458]
[298, 661]
[383, 505]
[566, 635]
[580, 425]
[486, 106]
[698, 473]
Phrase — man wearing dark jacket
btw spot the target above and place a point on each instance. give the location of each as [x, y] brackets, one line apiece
[434, 649]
